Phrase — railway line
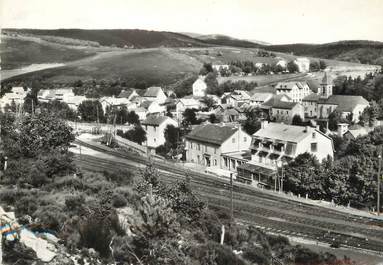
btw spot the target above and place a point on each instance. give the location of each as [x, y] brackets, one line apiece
[258, 208]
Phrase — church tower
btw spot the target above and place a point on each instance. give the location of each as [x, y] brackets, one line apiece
[326, 86]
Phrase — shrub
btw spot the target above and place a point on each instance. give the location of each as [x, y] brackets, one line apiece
[120, 176]
[51, 217]
[74, 202]
[119, 200]
[26, 206]
[257, 255]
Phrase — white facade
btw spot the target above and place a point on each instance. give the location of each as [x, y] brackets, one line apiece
[199, 87]
[16, 95]
[295, 90]
[155, 132]
[275, 141]
[209, 154]
[303, 64]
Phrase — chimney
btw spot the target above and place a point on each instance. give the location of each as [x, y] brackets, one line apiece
[264, 124]
[307, 128]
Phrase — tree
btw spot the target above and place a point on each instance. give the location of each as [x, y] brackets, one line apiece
[314, 66]
[213, 118]
[61, 109]
[322, 65]
[206, 69]
[212, 84]
[171, 134]
[208, 101]
[297, 120]
[253, 120]
[292, 67]
[333, 119]
[133, 118]
[91, 110]
[189, 117]
[137, 134]
[57, 135]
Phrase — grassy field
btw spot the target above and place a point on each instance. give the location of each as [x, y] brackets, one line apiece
[17, 53]
[154, 66]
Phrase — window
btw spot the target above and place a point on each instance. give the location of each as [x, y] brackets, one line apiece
[199, 147]
[197, 158]
[191, 145]
[314, 135]
[225, 162]
[245, 139]
[154, 128]
[205, 148]
[215, 162]
[154, 139]
[233, 140]
[215, 150]
[314, 147]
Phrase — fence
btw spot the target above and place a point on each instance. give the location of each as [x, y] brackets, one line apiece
[97, 127]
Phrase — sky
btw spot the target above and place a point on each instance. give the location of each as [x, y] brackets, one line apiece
[273, 21]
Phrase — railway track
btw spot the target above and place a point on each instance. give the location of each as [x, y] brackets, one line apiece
[274, 213]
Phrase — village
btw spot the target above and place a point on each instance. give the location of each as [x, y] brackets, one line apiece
[246, 134]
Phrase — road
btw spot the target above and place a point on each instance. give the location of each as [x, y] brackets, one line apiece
[253, 206]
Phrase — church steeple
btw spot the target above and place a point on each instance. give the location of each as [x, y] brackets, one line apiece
[326, 86]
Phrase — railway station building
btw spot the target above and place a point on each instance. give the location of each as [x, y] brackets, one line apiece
[275, 144]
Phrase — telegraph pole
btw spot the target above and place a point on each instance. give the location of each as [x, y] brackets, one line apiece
[379, 170]
[231, 198]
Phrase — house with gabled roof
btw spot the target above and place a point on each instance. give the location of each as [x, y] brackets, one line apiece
[235, 98]
[278, 143]
[296, 90]
[129, 93]
[155, 93]
[199, 87]
[206, 143]
[154, 127]
[153, 107]
[259, 98]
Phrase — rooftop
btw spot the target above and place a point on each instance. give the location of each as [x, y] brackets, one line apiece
[152, 91]
[312, 97]
[155, 120]
[284, 132]
[346, 103]
[125, 93]
[212, 133]
[261, 96]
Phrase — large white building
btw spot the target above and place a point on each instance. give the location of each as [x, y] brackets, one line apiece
[296, 90]
[207, 144]
[277, 143]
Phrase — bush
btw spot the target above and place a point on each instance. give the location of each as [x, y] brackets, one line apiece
[120, 176]
[257, 255]
[119, 200]
[74, 202]
[51, 217]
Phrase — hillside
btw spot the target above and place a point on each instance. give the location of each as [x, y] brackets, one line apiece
[223, 40]
[365, 52]
[120, 37]
[16, 53]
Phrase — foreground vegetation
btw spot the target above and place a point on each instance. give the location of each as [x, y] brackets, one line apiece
[125, 217]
